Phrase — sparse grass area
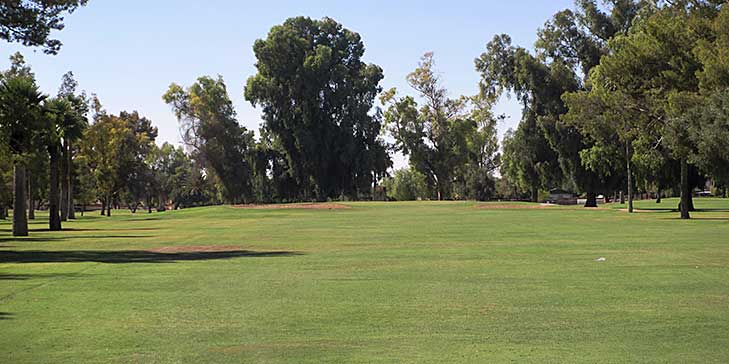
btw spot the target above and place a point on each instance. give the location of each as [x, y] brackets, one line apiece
[421, 282]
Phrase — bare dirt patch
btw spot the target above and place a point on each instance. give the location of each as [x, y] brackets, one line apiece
[196, 249]
[514, 206]
[303, 206]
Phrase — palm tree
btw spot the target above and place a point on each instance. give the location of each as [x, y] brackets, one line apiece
[20, 102]
[73, 129]
[57, 113]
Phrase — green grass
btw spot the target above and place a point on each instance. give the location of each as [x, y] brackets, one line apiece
[378, 283]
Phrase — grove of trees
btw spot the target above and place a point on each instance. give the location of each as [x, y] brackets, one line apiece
[618, 98]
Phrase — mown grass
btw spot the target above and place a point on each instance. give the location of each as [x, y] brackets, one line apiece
[420, 282]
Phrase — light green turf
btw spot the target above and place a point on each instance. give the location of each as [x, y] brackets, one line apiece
[418, 282]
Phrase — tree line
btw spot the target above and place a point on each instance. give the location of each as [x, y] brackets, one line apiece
[626, 97]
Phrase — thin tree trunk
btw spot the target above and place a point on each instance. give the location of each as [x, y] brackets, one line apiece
[31, 202]
[71, 206]
[20, 220]
[685, 193]
[591, 199]
[54, 221]
[630, 179]
[64, 184]
[3, 213]
[108, 206]
[535, 193]
[162, 203]
[103, 206]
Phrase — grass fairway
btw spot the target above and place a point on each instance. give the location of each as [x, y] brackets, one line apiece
[418, 282]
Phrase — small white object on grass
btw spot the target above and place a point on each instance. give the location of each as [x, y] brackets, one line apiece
[601, 260]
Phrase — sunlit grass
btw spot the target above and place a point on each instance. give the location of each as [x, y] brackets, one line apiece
[423, 282]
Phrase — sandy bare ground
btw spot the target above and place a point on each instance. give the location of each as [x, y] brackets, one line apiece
[303, 206]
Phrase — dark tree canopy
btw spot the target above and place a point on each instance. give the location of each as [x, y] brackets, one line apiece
[210, 129]
[30, 22]
[317, 96]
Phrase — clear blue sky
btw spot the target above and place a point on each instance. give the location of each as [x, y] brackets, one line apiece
[128, 52]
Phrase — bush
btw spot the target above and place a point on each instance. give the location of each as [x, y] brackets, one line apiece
[406, 185]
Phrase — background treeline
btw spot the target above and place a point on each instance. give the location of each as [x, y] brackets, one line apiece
[630, 96]
[618, 98]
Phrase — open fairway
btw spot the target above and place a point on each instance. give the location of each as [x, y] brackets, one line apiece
[420, 282]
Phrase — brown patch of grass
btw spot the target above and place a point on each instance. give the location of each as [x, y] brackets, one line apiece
[304, 206]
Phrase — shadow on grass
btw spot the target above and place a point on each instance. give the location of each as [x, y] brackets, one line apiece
[694, 218]
[142, 219]
[23, 277]
[48, 239]
[95, 229]
[129, 256]
[5, 316]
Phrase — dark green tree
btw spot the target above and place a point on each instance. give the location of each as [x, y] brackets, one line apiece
[317, 95]
[20, 109]
[30, 22]
[57, 112]
[210, 129]
[506, 68]
[449, 141]
[72, 132]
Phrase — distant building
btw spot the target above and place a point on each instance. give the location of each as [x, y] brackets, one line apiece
[562, 197]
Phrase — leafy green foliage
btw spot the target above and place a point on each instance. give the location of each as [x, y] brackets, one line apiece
[210, 129]
[317, 94]
[449, 141]
[406, 185]
[30, 22]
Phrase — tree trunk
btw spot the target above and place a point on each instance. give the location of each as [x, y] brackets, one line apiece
[31, 198]
[3, 213]
[103, 206]
[20, 220]
[630, 180]
[64, 184]
[622, 197]
[54, 221]
[71, 206]
[685, 191]
[658, 197]
[535, 194]
[162, 203]
[591, 199]
[108, 206]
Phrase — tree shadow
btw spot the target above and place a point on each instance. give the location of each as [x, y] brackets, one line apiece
[142, 219]
[129, 256]
[96, 229]
[6, 316]
[23, 277]
[656, 210]
[49, 239]
[29, 239]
